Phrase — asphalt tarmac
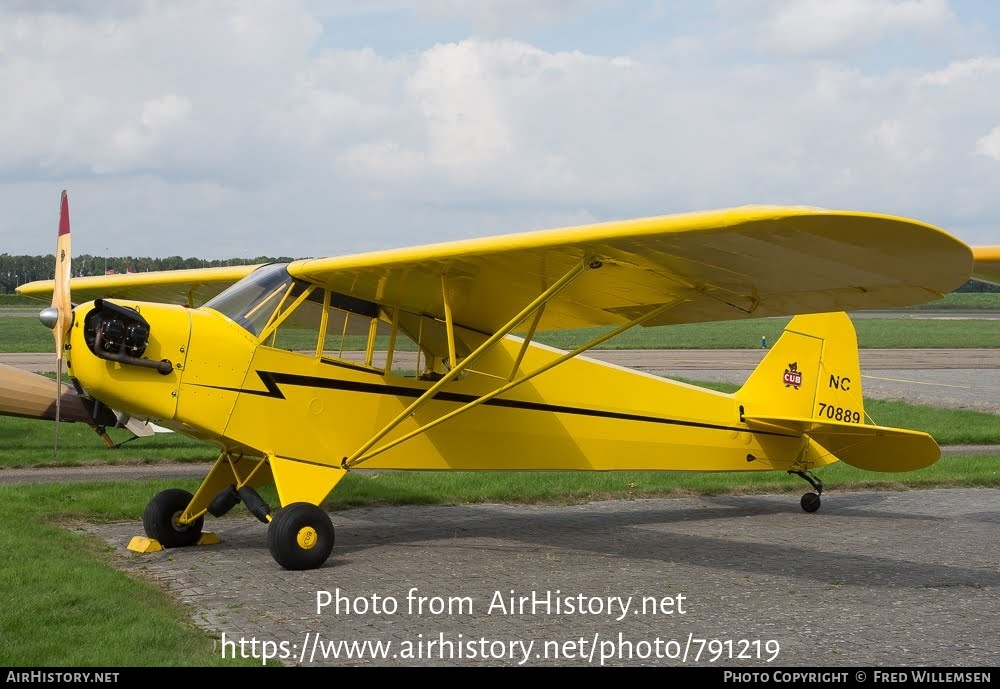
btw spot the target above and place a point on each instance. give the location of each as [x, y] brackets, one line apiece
[874, 579]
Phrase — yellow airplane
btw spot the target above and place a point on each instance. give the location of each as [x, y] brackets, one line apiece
[424, 358]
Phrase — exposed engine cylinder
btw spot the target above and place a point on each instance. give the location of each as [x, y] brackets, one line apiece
[113, 329]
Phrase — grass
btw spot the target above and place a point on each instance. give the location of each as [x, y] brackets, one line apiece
[20, 302]
[900, 333]
[30, 442]
[948, 426]
[65, 602]
[961, 301]
[24, 334]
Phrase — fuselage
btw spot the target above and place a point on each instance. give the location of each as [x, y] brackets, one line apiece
[229, 381]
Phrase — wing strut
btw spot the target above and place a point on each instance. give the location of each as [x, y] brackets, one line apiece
[366, 453]
[501, 333]
[527, 341]
[448, 322]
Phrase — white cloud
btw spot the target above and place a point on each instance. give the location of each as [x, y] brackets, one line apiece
[493, 17]
[822, 27]
[190, 128]
[96, 89]
[136, 145]
[973, 69]
[989, 144]
[454, 90]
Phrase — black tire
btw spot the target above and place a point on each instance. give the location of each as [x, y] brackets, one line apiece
[300, 536]
[810, 502]
[160, 519]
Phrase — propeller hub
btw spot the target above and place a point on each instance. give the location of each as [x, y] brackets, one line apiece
[49, 317]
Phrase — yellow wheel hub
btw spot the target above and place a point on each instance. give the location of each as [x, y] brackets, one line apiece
[306, 537]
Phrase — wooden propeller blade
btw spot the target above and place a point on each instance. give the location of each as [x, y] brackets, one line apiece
[61, 301]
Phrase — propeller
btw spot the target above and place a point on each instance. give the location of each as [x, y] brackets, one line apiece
[58, 316]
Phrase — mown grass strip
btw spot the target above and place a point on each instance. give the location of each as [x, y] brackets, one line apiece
[66, 604]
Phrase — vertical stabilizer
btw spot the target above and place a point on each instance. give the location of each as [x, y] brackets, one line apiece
[812, 372]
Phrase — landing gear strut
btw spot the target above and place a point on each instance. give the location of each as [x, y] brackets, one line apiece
[810, 501]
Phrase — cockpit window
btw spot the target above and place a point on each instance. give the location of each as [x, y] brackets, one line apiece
[252, 300]
[296, 316]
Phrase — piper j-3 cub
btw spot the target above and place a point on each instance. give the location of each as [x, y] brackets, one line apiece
[424, 358]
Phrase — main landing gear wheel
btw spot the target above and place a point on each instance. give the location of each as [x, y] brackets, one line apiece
[300, 536]
[810, 501]
[160, 520]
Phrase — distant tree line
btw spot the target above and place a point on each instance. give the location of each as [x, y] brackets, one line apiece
[17, 270]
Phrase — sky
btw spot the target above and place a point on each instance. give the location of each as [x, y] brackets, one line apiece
[256, 128]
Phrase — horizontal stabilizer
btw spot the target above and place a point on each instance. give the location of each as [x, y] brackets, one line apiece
[873, 448]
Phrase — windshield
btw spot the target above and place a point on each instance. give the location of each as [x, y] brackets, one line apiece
[252, 300]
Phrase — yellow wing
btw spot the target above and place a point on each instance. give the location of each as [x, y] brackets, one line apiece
[188, 287]
[987, 266]
[748, 262]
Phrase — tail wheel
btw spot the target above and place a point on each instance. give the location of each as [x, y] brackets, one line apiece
[300, 536]
[810, 502]
[161, 519]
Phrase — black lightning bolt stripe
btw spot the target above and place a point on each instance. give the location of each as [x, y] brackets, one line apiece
[272, 380]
